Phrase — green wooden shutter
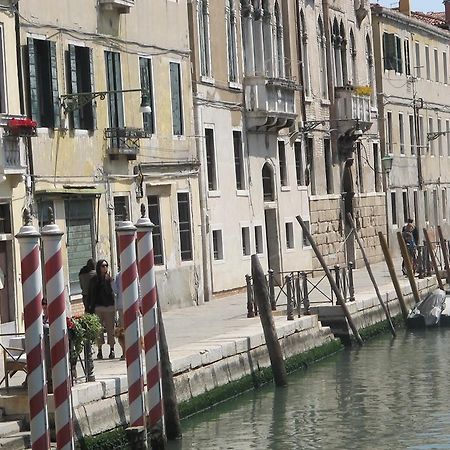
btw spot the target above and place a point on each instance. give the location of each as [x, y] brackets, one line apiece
[94, 109]
[119, 97]
[110, 87]
[33, 84]
[74, 82]
[145, 86]
[55, 92]
[175, 85]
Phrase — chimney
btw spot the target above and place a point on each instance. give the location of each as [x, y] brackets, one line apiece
[405, 8]
[447, 11]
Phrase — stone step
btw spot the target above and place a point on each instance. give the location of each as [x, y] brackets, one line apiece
[10, 427]
[16, 441]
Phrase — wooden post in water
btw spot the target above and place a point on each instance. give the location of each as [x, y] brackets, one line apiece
[369, 271]
[433, 259]
[261, 296]
[337, 292]
[391, 268]
[171, 414]
[444, 252]
[408, 266]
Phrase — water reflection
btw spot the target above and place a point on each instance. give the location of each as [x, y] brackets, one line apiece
[390, 394]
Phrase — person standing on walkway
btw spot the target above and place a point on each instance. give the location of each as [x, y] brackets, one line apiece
[85, 275]
[101, 302]
[410, 242]
[409, 226]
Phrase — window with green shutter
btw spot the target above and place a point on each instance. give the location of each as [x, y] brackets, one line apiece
[145, 68]
[115, 100]
[177, 104]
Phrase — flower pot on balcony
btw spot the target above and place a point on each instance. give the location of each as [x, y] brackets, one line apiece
[21, 127]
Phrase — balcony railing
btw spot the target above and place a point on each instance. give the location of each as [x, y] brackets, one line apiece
[352, 109]
[269, 102]
[121, 6]
[125, 141]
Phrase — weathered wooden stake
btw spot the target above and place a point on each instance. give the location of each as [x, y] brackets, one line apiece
[369, 271]
[261, 296]
[444, 252]
[340, 299]
[433, 259]
[391, 268]
[408, 266]
[171, 414]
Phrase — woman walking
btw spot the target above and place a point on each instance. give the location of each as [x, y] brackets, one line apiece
[101, 302]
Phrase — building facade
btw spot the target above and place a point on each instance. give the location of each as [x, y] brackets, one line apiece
[87, 66]
[414, 105]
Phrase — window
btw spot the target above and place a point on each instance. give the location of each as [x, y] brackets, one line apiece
[435, 207]
[427, 62]
[436, 65]
[421, 133]
[352, 54]
[445, 68]
[245, 235]
[430, 131]
[79, 237]
[322, 59]
[259, 240]
[282, 162]
[392, 51]
[43, 81]
[145, 67]
[121, 208]
[416, 205]
[289, 228]
[360, 167]
[184, 218]
[339, 40]
[401, 130]
[328, 165]
[439, 138]
[407, 57]
[268, 184]
[425, 205]
[115, 100]
[412, 134]
[389, 131]
[279, 40]
[177, 103]
[310, 164]
[231, 38]
[444, 204]
[305, 239]
[304, 55]
[299, 169]
[405, 206]
[203, 32]
[370, 70]
[217, 245]
[447, 134]
[210, 159]
[238, 160]
[43, 216]
[154, 213]
[418, 61]
[81, 79]
[376, 166]
[2, 75]
[394, 208]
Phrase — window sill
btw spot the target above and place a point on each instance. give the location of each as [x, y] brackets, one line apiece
[179, 137]
[235, 86]
[285, 188]
[402, 155]
[302, 187]
[308, 99]
[214, 194]
[290, 250]
[325, 102]
[207, 80]
[219, 262]
[241, 193]
[246, 257]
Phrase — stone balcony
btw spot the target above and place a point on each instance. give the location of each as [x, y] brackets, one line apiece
[269, 103]
[352, 109]
[12, 147]
[124, 141]
[121, 6]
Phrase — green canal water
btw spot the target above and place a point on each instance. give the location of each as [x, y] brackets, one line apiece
[389, 394]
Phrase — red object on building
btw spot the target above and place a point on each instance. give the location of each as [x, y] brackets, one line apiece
[21, 127]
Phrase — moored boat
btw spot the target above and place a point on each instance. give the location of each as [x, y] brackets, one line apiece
[431, 311]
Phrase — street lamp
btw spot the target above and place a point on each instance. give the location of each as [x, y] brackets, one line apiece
[386, 162]
[73, 102]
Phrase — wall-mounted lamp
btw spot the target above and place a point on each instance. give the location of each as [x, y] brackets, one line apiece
[73, 102]
[386, 162]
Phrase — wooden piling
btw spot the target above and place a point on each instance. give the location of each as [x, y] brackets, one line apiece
[171, 414]
[408, 266]
[340, 299]
[391, 268]
[369, 271]
[261, 296]
[433, 259]
[444, 252]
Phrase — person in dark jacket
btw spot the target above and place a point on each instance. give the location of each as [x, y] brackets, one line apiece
[84, 276]
[101, 302]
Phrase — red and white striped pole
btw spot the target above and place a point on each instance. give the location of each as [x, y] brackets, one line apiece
[28, 238]
[126, 234]
[150, 323]
[59, 340]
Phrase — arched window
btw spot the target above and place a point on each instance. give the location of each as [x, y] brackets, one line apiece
[305, 58]
[203, 32]
[336, 42]
[322, 59]
[268, 183]
[369, 63]
[231, 38]
[247, 37]
[343, 41]
[352, 53]
[279, 41]
[268, 37]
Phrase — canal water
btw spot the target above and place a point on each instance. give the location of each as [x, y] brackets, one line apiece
[389, 394]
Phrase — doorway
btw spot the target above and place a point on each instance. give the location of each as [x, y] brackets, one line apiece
[273, 241]
[6, 309]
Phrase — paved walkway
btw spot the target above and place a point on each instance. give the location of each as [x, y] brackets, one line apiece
[189, 327]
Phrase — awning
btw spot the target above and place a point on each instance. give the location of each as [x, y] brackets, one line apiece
[71, 190]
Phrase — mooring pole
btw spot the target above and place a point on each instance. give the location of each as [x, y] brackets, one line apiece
[444, 252]
[408, 266]
[391, 268]
[369, 271]
[265, 314]
[433, 259]
[340, 299]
